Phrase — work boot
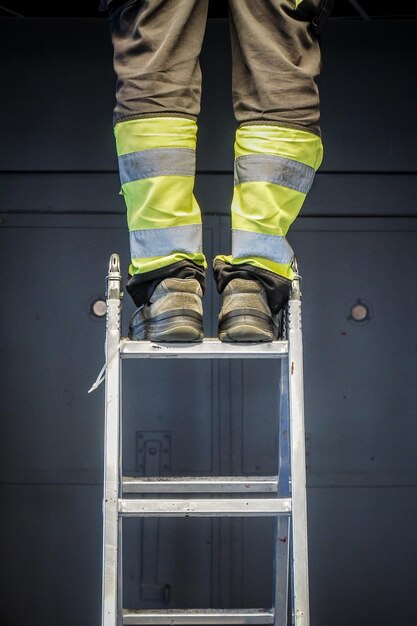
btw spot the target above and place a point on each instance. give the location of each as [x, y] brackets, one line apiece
[173, 313]
[245, 314]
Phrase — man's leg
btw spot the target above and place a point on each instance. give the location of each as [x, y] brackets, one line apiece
[276, 61]
[156, 58]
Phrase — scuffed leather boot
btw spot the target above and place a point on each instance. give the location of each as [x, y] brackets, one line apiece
[245, 314]
[173, 313]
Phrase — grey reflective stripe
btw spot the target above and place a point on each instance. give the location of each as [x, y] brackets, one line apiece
[272, 247]
[156, 162]
[153, 242]
[279, 170]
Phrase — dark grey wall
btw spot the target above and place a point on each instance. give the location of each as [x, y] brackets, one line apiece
[61, 217]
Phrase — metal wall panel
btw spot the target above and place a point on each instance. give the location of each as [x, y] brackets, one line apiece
[61, 97]
[60, 263]
[367, 97]
[50, 544]
[360, 393]
[362, 556]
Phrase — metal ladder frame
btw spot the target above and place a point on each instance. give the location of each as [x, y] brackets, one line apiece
[289, 507]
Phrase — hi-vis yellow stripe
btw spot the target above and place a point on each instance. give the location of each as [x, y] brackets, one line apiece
[265, 208]
[155, 132]
[161, 202]
[143, 265]
[290, 143]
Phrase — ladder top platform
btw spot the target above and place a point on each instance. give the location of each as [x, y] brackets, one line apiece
[198, 616]
[207, 349]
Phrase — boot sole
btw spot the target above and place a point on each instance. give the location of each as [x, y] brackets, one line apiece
[175, 328]
[181, 330]
[246, 328]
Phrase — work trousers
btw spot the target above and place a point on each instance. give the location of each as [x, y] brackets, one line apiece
[276, 62]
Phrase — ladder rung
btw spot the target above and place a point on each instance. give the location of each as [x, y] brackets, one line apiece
[198, 616]
[199, 507]
[207, 349]
[201, 484]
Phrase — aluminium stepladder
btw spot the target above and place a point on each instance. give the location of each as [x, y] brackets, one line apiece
[284, 494]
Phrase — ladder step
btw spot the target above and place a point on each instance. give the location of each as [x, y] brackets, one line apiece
[207, 349]
[202, 484]
[198, 507]
[198, 616]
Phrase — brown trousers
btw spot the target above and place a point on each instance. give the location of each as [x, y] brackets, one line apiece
[275, 52]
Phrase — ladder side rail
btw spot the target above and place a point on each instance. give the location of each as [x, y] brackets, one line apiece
[299, 542]
[281, 570]
[120, 494]
[110, 600]
[284, 487]
[283, 524]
